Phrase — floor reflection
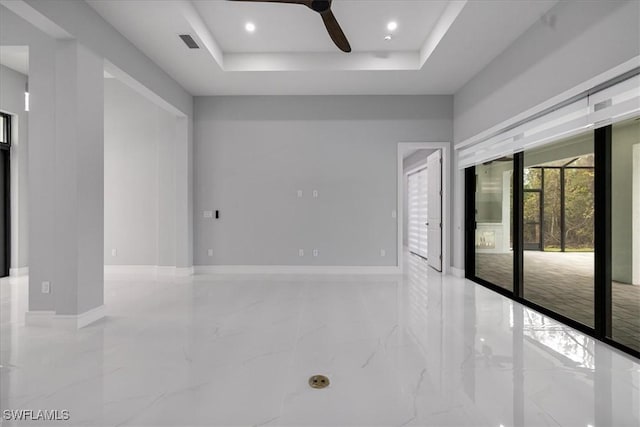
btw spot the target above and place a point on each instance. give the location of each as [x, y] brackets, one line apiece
[421, 349]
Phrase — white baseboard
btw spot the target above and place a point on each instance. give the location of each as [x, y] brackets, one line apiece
[457, 272]
[295, 269]
[130, 269]
[20, 271]
[183, 271]
[149, 270]
[39, 318]
[49, 318]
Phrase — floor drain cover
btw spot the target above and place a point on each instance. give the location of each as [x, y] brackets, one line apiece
[318, 381]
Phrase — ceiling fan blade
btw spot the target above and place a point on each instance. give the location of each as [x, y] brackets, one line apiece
[303, 2]
[338, 37]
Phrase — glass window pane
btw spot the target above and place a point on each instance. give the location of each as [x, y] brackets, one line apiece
[494, 207]
[552, 218]
[579, 209]
[557, 203]
[625, 233]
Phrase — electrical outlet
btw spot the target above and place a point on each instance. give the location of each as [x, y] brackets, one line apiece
[46, 287]
[315, 194]
[210, 252]
[300, 252]
[300, 194]
[315, 252]
[114, 252]
[383, 252]
[207, 214]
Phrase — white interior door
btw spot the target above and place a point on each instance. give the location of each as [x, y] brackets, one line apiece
[434, 196]
[418, 216]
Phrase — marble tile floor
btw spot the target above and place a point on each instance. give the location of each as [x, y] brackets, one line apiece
[237, 350]
[563, 282]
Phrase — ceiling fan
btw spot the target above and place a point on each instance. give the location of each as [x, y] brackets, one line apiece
[323, 7]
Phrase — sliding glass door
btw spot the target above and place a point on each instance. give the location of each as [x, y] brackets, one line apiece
[557, 227]
[5, 199]
[625, 233]
[558, 263]
[493, 213]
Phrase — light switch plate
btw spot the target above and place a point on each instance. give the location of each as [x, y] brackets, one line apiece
[300, 252]
[114, 252]
[383, 252]
[394, 214]
[315, 252]
[300, 194]
[315, 194]
[208, 214]
[46, 287]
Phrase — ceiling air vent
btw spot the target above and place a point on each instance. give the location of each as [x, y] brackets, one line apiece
[189, 41]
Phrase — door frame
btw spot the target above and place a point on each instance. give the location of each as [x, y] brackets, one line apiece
[5, 157]
[446, 208]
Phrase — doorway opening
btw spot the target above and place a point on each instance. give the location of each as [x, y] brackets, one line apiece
[422, 219]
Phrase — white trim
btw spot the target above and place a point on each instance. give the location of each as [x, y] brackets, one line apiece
[295, 269]
[446, 171]
[183, 271]
[149, 270]
[440, 29]
[165, 270]
[416, 168]
[81, 320]
[64, 321]
[131, 269]
[457, 272]
[39, 318]
[20, 271]
[568, 94]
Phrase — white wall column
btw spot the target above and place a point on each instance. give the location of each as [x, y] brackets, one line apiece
[41, 159]
[184, 193]
[77, 185]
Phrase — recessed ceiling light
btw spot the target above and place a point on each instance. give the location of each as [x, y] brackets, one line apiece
[391, 26]
[387, 37]
[250, 27]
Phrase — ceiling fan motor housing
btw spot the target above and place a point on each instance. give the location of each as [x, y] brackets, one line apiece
[320, 5]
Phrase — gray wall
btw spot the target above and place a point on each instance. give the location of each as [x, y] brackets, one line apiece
[139, 179]
[252, 154]
[624, 137]
[586, 39]
[12, 86]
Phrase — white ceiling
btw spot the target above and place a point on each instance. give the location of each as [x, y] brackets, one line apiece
[296, 28]
[16, 58]
[437, 48]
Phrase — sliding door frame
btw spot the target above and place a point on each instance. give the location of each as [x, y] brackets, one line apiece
[602, 242]
[5, 158]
